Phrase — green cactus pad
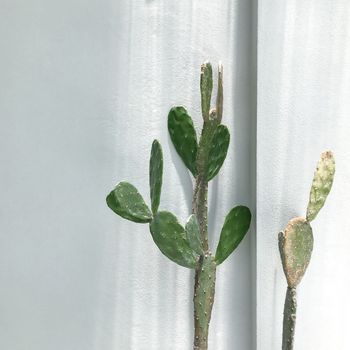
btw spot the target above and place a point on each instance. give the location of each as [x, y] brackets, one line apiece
[170, 237]
[217, 152]
[155, 174]
[184, 137]
[206, 88]
[204, 294]
[193, 234]
[295, 245]
[127, 202]
[321, 184]
[235, 227]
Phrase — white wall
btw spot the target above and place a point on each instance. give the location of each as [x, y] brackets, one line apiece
[303, 109]
[85, 88]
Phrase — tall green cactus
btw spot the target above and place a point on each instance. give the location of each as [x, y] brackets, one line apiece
[188, 246]
[296, 243]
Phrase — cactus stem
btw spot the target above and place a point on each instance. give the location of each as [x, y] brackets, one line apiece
[289, 319]
[204, 287]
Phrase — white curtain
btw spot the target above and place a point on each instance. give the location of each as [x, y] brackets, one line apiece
[85, 88]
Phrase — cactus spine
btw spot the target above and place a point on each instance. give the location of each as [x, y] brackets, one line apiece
[296, 243]
[188, 246]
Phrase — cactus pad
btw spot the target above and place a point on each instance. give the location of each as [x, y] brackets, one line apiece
[321, 184]
[127, 202]
[235, 227]
[295, 244]
[193, 234]
[184, 137]
[206, 88]
[217, 152]
[170, 237]
[155, 174]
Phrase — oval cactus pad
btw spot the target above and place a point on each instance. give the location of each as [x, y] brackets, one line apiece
[217, 151]
[184, 137]
[155, 174]
[295, 244]
[321, 184]
[170, 237]
[127, 202]
[235, 227]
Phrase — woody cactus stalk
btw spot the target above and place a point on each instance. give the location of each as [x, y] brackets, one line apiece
[296, 243]
[188, 246]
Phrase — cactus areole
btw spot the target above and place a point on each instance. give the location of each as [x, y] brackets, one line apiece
[296, 243]
[188, 245]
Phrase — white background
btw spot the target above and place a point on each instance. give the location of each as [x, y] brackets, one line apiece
[85, 88]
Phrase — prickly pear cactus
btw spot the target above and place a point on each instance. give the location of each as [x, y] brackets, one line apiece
[296, 243]
[188, 246]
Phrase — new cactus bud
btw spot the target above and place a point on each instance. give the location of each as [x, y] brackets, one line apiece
[206, 88]
[220, 94]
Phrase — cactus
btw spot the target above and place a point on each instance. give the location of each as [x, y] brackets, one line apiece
[296, 243]
[188, 246]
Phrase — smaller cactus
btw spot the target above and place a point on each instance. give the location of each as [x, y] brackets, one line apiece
[296, 243]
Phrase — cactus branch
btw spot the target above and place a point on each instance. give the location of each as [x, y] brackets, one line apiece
[204, 286]
[289, 318]
[204, 290]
